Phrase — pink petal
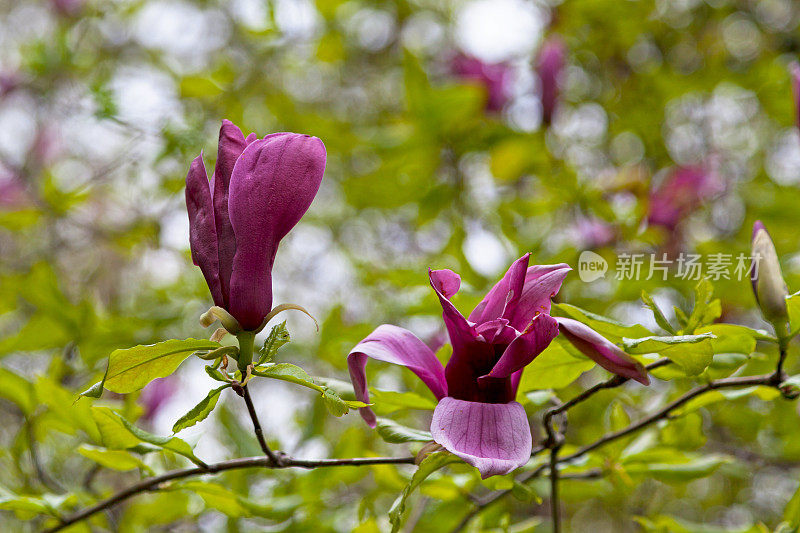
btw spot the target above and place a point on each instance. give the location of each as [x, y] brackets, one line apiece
[503, 295]
[495, 438]
[524, 349]
[458, 328]
[446, 282]
[398, 346]
[202, 233]
[230, 147]
[542, 282]
[273, 184]
[602, 351]
[497, 331]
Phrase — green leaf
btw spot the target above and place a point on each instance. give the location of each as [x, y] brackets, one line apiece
[525, 493]
[661, 320]
[791, 513]
[131, 369]
[200, 411]
[390, 401]
[118, 433]
[760, 391]
[705, 309]
[334, 404]
[555, 368]
[428, 466]
[693, 353]
[287, 372]
[17, 390]
[277, 337]
[120, 460]
[216, 374]
[395, 433]
[607, 327]
[793, 307]
[678, 472]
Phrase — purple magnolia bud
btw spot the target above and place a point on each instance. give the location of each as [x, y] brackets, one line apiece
[260, 190]
[768, 284]
[683, 191]
[494, 77]
[601, 350]
[550, 65]
[794, 68]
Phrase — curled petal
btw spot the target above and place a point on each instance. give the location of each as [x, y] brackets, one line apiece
[495, 438]
[542, 282]
[446, 282]
[398, 346]
[459, 329]
[504, 295]
[273, 184]
[497, 331]
[602, 351]
[202, 232]
[524, 349]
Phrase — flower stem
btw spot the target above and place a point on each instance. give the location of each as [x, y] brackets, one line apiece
[246, 343]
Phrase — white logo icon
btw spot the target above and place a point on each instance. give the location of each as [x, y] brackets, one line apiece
[591, 266]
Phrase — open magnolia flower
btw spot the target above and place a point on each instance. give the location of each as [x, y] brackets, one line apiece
[259, 191]
[476, 417]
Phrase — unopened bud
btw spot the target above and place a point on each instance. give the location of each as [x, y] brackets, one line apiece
[767, 279]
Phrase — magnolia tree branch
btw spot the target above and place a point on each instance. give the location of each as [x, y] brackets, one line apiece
[272, 456]
[155, 483]
[773, 379]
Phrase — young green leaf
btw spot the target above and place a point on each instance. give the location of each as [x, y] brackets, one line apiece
[428, 466]
[200, 411]
[131, 369]
[693, 353]
[287, 372]
[118, 433]
[276, 338]
[661, 320]
[392, 432]
[705, 309]
[390, 401]
[607, 327]
[120, 460]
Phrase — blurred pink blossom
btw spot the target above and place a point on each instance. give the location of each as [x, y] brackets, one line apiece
[794, 68]
[683, 191]
[550, 66]
[155, 395]
[592, 232]
[13, 194]
[495, 77]
[67, 8]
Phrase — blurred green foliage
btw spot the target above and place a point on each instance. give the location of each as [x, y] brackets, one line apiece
[103, 114]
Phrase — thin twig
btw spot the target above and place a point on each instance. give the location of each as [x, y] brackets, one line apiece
[663, 413]
[274, 458]
[610, 383]
[554, 507]
[154, 483]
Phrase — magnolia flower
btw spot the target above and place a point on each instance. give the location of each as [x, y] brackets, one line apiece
[549, 66]
[684, 190]
[494, 77]
[259, 191]
[767, 279]
[601, 350]
[476, 417]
